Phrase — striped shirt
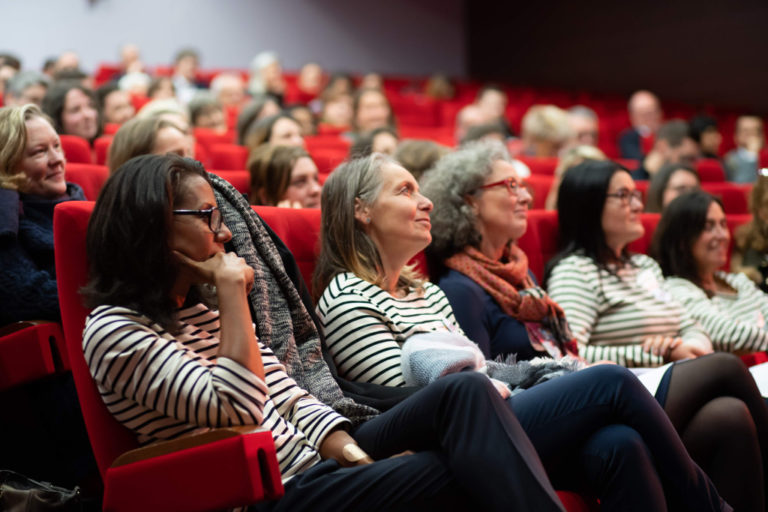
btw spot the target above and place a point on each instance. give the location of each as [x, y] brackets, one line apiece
[163, 386]
[733, 321]
[365, 327]
[611, 314]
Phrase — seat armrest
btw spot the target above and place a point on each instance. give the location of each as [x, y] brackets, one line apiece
[27, 352]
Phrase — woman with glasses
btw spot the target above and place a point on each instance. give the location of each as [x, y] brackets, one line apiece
[618, 310]
[597, 430]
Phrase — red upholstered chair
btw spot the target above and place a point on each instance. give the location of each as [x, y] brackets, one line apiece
[299, 229]
[538, 186]
[643, 244]
[220, 469]
[241, 180]
[734, 196]
[540, 165]
[734, 221]
[539, 242]
[29, 351]
[710, 169]
[228, 157]
[209, 138]
[101, 148]
[629, 163]
[326, 141]
[76, 149]
[89, 176]
[327, 159]
[642, 186]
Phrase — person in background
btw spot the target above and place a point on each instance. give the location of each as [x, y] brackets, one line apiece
[546, 129]
[284, 176]
[206, 111]
[380, 140]
[584, 126]
[267, 77]
[705, 133]
[229, 89]
[130, 59]
[492, 102]
[259, 108]
[310, 82]
[152, 135]
[115, 104]
[161, 88]
[417, 155]
[469, 116]
[439, 87]
[304, 116]
[25, 87]
[646, 116]
[280, 129]
[337, 110]
[572, 157]
[372, 81]
[741, 163]
[73, 109]
[750, 252]
[671, 181]
[371, 110]
[185, 66]
[673, 144]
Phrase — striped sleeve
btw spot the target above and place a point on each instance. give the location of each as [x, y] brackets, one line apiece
[575, 285]
[129, 358]
[312, 417]
[727, 331]
[358, 337]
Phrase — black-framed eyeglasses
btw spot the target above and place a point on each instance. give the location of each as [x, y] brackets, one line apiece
[213, 214]
[513, 186]
[626, 196]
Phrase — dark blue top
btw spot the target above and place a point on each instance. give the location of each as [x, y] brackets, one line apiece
[27, 272]
[483, 321]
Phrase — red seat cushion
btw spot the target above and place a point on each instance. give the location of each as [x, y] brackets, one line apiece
[76, 149]
[89, 176]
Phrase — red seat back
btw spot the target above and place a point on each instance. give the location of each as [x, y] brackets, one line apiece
[643, 244]
[228, 157]
[101, 148]
[299, 229]
[109, 439]
[538, 186]
[734, 196]
[241, 180]
[539, 242]
[76, 149]
[540, 165]
[89, 176]
[710, 169]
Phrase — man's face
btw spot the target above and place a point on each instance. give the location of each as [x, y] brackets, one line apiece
[686, 153]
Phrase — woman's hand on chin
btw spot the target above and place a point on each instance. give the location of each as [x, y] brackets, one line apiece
[223, 269]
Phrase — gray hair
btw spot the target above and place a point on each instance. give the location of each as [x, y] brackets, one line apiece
[19, 82]
[454, 177]
[582, 111]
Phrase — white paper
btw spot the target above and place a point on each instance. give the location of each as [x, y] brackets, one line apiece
[651, 377]
[760, 374]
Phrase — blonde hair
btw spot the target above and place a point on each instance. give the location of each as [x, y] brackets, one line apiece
[13, 133]
[547, 122]
[136, 137]
[574, 156]
[344, 244]
[271, 167]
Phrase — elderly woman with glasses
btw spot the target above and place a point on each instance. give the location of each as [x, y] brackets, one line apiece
[618, 309]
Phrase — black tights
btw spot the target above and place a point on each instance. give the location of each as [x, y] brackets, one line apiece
[714, 404]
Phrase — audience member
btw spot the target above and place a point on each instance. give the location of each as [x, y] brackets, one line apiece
[750, 252]
[304, 116]
[671, 181]
[267, 76]
[68, 60]
[336, 110]
[380, 140]
[161, 88]
[284, 176]
[114, 104]
[439, 87]
[138, 83]
[25, 87]
[130, 59]
[310, 82]
[206, 111]
[673, 145]
[492, 101]
[229, 89]
[185, 67]
[417, 155]
[372, 81]
[705, 133]
[645, 115]
[259, 108]
[545, 131]
[584, 126]
[741, 163]
[469, 116]
[73, 110]
[371, 110]
[280, 129]
[340, 83]
[153, 135]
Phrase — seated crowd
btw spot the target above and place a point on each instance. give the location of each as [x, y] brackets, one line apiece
[428, 368]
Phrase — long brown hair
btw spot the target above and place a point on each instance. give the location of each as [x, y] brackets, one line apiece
[344, 244]
[271, 167]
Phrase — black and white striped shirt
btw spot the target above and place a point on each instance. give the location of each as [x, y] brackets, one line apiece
[365, 327]
[733, 321]
[162, 386]
[610, 314]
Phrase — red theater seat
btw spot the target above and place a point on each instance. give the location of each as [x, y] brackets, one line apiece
[538, 186]
[89, 176]
[76, 149]
[228, 157]
[710, 169]
[540, 165]
[223, 468]
[241, 180]
[101, 148]
[734, 196]
[30, 351]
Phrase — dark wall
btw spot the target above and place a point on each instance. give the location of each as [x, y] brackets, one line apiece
[702, 52]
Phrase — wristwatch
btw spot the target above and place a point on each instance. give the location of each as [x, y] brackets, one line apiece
[353, 453]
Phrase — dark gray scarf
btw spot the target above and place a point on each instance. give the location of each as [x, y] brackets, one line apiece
[282, 322]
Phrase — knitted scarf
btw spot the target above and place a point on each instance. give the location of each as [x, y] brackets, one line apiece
[282, 321]
[507, 281]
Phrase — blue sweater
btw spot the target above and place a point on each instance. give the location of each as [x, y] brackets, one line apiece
[483, 321]
[27, 272]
